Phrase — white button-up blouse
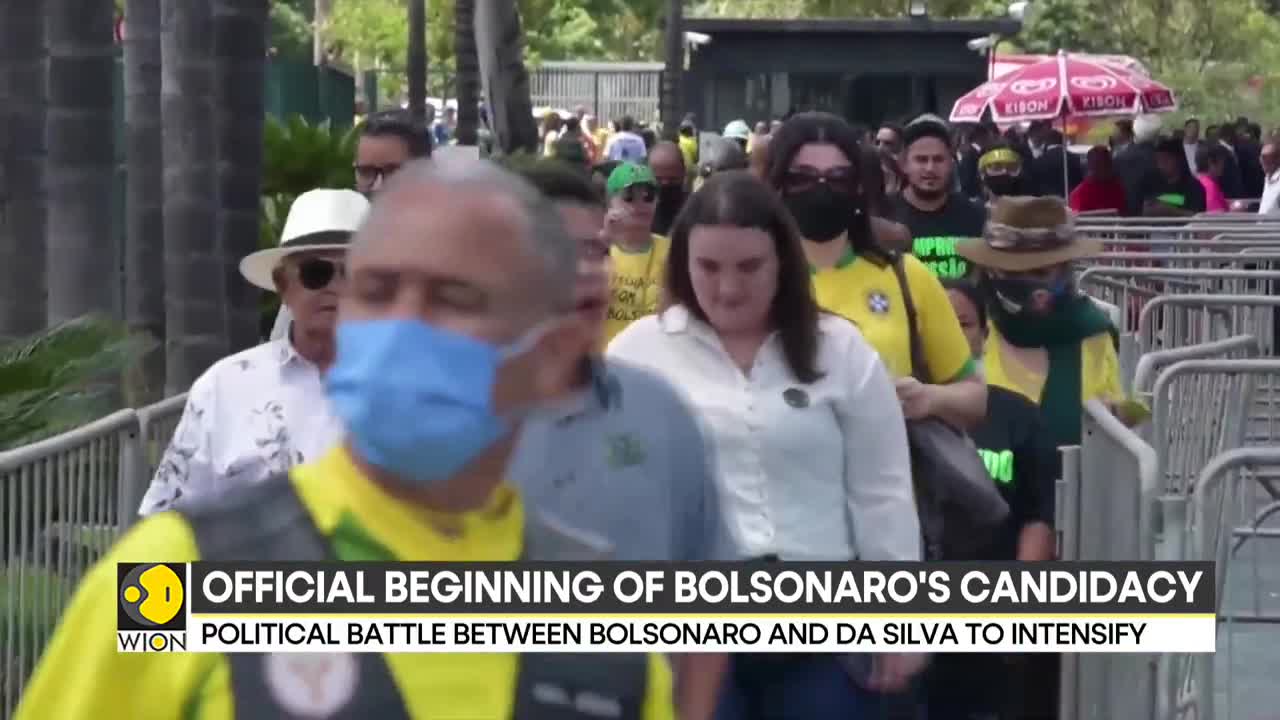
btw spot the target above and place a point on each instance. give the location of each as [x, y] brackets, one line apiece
[817, 471]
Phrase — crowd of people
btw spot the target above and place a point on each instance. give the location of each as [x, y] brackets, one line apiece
[732, 357]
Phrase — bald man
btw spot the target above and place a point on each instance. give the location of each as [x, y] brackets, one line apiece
[667, 162]
[443, 343]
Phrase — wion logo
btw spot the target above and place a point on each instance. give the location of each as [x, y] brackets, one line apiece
[151, 608]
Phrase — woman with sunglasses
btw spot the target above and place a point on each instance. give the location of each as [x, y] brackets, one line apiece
[810, 448]
[815, 168]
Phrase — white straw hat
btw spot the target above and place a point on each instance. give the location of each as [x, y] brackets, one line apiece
[318, 220]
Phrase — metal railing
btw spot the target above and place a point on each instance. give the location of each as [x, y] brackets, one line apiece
[1188, 681]
[64, 501]
[1107, 498]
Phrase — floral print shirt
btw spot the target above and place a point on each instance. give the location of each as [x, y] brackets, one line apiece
[252, 415]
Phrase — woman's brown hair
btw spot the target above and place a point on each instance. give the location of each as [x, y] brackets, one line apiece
[738, 199]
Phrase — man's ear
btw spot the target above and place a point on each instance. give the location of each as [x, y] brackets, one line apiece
[280, 279]
[560, 354]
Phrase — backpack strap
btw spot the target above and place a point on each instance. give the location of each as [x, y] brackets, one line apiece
[919, 365]
[928, 501]
[268, 522]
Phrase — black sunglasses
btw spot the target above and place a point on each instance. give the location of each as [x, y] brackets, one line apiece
[318, 273]
[645, 192]
[839, 179]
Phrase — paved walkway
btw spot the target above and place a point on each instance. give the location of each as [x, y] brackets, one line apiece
[1247, 664]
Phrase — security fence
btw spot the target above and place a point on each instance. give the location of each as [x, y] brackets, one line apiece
[609, 90]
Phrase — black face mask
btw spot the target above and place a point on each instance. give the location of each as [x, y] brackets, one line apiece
[1033, 296]
[671, 199]
[821, 214]
[1002, 184]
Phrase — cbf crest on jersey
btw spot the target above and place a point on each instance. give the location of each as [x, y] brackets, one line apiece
[877, 302]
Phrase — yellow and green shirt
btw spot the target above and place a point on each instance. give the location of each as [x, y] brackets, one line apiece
[868, 294]
[82, 676]
[636, 284]
[1099, 364]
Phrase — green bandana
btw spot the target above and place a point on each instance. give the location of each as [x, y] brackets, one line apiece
[1061, 333]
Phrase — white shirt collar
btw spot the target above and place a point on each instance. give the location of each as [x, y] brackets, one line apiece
[677, 320]
[287, 355]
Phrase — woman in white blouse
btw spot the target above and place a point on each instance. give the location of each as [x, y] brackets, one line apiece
[809, 439]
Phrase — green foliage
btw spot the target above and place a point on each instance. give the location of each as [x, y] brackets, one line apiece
[1207, 51]
[63, 377]
[300, 156]
[290, 28]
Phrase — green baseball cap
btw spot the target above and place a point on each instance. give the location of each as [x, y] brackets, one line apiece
[628, 174]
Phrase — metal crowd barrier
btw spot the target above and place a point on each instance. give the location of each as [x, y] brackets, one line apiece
[1187, 687]
[1170, 321]
[1105, 511]
[63, 502]
[61, 510]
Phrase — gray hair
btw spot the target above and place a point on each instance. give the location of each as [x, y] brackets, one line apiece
[548, 239]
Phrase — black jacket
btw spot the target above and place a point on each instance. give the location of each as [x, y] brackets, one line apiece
[1046, 171]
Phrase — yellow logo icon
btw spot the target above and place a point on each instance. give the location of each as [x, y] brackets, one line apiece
[152, 595]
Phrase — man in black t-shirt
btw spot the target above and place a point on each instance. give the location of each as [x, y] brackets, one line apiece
[936, 215]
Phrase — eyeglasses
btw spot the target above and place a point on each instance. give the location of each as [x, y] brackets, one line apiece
[369, 174]
[318, 273]
[839, 179]
[640, 193]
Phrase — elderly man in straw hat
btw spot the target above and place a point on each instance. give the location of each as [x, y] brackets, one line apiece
[1048, 341]
[259, 412]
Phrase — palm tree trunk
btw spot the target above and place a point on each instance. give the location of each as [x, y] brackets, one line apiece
[320, 18]
[500, 48]
[81, 165]
[144, 192]
[468, 71]
[671, 85]
[22, 149]
[193, 274]
[417, 59]
[240, 56]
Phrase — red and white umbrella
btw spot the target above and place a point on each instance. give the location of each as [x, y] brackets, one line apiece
[1002, 64]
[1064, 86]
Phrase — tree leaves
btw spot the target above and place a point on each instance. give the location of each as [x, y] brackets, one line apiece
[63, 377]
[1209, 52]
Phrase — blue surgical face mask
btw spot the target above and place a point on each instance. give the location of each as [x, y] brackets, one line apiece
[417, 400]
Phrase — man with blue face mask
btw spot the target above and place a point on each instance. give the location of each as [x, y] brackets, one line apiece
[452, 329]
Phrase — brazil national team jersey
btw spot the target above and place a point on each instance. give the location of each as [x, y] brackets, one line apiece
[868, 294]
[636, 284]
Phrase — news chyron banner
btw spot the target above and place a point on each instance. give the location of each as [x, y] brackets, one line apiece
[657, 607]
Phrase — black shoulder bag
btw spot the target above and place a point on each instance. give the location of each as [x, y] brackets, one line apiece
[960, 508]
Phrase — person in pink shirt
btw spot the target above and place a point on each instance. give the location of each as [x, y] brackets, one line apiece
[1211, 163]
